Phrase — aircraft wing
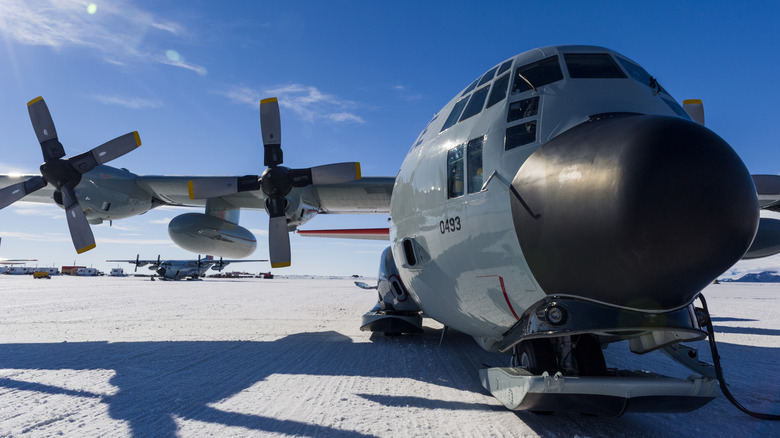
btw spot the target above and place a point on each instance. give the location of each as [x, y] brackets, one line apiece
[367, 195]
[134, 261]
[43, 195]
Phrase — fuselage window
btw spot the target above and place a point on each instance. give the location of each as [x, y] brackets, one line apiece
[470, 87]
[519, 135]
[538, 73]
[499, 90]
[676, 108]
[504, 67]
[522, 109]
[639, 74]
[488, 76]
[475, 104]
[455, 186]
[474, 164]
[592, 65]
[636, 72]
[455, 114]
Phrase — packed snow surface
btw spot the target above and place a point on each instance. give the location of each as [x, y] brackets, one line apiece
[118, 357]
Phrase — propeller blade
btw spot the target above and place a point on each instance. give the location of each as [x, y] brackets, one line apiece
[117, 147]
[80, 232]
[106, 152]
[335, 173]
[271, 127]
[695, 109]
[15, 192]
[279, 242]
[43, 125]
[137, 257]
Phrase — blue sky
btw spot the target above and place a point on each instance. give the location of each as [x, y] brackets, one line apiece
[357, 81]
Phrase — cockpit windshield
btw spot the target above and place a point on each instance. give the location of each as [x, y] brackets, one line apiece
[592, 66]
[536, 74]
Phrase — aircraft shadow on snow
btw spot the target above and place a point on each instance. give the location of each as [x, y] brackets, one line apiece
[158, 381]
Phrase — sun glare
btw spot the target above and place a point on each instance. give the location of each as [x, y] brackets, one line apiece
[91, 8]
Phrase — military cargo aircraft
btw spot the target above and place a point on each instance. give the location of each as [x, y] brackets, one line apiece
[181, 269]
[561, 202]
[14, 261]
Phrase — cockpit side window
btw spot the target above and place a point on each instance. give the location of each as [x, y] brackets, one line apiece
[640, 75]
[538, 73]
[488, 76]
[636, 72]
[455, 186]
[470, 87]
[499, 90]
[475, 104]
[519, 135]
[592, 66]
[474, 164]
[504, 67]
[455, 114]
[522, 109]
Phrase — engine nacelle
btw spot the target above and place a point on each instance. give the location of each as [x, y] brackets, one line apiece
[205, 234]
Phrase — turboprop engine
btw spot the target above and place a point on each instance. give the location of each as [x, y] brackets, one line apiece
[203, 233]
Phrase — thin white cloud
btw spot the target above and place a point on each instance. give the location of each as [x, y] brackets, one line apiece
[404, 93]
[308, 102]
[37, 237]
[51, 211]
[134, 241]
[127, 102]
[119, 30]
[164, 220]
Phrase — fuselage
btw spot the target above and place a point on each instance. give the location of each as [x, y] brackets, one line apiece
[569, 109]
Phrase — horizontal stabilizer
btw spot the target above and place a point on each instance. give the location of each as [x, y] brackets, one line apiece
[361, 233]
[768, 190]
[767, 240]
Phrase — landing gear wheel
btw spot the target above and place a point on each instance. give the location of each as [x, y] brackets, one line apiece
[589, 357]
[537, 356]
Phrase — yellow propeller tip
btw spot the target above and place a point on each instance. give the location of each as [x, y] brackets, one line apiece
[190, 189]
[692, 102]
[281, 265]
[268, 100]
[137, 138]
[34, 100]
[86, 248]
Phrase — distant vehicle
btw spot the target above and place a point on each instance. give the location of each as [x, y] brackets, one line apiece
[41, 274]
[19, 270]
[87, 272]
[50, 271]
[117, 272]
[180, 269]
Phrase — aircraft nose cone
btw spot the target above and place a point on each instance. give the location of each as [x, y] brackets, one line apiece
[636, 211]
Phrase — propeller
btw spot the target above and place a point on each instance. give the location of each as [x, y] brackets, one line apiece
[137, 258]
[65, 174]
[276, 182]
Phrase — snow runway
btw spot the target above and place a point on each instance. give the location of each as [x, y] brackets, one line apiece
[130, 357]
